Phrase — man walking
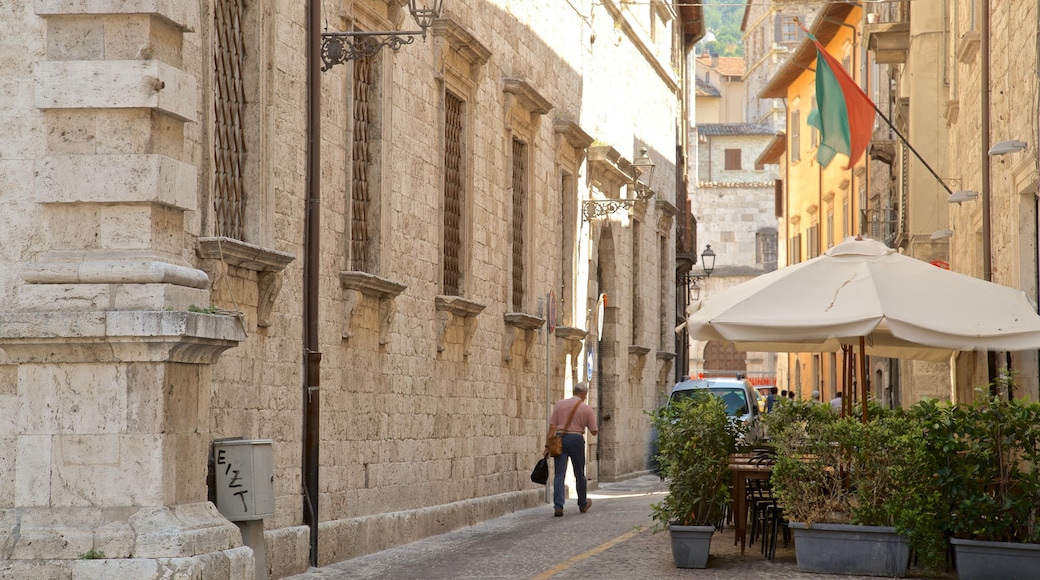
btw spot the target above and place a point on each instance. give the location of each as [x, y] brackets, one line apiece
[572, 416]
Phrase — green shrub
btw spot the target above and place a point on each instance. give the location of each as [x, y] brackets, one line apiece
[695, 440]
[832, 469]
[986, 467]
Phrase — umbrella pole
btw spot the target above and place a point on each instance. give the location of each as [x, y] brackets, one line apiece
[863, 376]
[846, 375]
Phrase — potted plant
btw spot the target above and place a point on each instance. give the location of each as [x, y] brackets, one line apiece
[857, 495]
[988, 454]
[695, 440]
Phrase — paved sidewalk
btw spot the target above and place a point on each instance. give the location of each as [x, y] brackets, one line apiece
[613, 539]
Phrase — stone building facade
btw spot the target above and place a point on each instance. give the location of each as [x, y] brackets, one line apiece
[735, 209]
[464, 242]
[986, 94]
[939, 73]
[771, 34]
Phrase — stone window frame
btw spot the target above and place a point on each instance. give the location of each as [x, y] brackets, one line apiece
[371, 283]
[571, 145]
[459, 65]
[522, 115]
[253, 253]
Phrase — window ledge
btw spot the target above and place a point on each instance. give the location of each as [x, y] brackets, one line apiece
[666, 360]
[517, 323]
[447, 309]
[573, 341]
[243, 255]
[356, 285]
[636, 362]
[217, 253]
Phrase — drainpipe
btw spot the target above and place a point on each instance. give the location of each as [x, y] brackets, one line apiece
[312, 236]
[987, 259]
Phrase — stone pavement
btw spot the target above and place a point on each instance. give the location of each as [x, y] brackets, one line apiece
[614, 539]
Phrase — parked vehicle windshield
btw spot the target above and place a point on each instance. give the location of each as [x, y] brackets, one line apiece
[734, 397]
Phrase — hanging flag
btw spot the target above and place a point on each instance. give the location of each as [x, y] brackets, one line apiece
[844, 114]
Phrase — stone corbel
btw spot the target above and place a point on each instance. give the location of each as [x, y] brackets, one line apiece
[455, 48]
[448, 308]
[351, 299]
[666, 360]
[356, 285]
[387, 311]
[573, 342]
[523, 102]
[220, 252]
[569, 133]
[517, 322]
[636, 362]
[666, 213]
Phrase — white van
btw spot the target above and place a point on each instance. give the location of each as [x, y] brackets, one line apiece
[740, 397]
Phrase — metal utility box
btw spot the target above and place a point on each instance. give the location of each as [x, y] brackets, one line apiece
[243, 472]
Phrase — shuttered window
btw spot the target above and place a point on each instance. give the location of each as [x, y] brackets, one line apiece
[733, 160]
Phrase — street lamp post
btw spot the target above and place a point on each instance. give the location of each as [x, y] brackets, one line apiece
[708, 266]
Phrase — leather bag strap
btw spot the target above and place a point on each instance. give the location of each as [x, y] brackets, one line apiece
[569, 417]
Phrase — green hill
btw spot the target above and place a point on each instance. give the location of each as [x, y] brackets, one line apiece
[722, 17]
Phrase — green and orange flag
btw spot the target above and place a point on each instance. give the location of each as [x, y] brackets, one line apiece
[844, 114]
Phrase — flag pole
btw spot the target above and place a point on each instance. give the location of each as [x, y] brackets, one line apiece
[886, 119]
[911, 148]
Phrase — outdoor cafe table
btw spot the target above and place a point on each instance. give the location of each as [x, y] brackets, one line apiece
[742, 468]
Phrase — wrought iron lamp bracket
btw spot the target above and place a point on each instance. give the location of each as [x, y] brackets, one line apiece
[339, 47]
[594, 208]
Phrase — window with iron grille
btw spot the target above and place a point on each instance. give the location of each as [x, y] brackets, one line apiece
[519, 206]
[361, 206]
[904, 189]
[636, 274]
[765, 248]
[228, 111]
[454, 151]
[568, 191]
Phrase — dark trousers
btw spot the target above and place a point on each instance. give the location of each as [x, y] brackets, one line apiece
[573, 448]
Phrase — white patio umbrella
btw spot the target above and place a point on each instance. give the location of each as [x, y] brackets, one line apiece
[862, 292]
[901, 306]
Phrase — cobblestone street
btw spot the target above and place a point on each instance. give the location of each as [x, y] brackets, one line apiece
[613, 540]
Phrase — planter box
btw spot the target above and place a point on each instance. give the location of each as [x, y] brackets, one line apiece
[850, 549]
[1004, 560]
[690, 545]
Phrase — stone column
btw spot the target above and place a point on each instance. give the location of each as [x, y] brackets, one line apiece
[104, 444]
[104, 372]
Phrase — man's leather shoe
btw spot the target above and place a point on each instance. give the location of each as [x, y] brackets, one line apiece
[588, 504]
